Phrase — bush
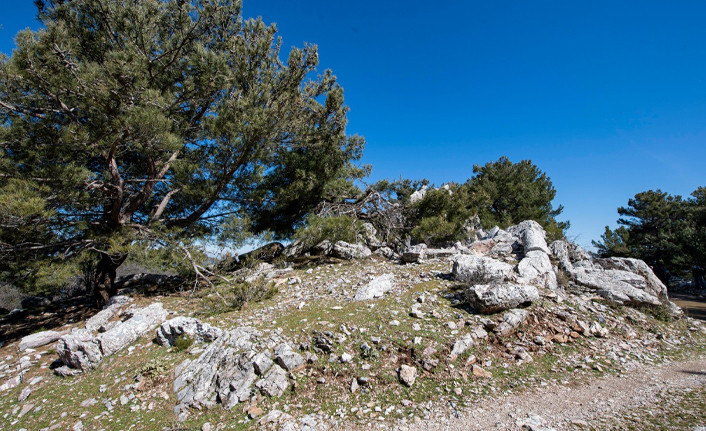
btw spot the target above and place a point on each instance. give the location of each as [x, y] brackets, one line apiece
[317, 229]
[439, 217]
[10, 297]
[183, 342]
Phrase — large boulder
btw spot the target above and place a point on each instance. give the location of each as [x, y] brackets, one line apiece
[348, 251]
[569, 254]
[376, 288]
[112, 308]
[475, 269]
[535, 264]
[169, 331]
[39, 339]
[415, 253]
[233, 367]
[495, 297]
[621, 286]
[531, 235]
[84, 351]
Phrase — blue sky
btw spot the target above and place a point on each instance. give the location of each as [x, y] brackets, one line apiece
[608, 98]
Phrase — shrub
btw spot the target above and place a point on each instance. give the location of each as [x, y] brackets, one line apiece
[340, 228]
[183, 342]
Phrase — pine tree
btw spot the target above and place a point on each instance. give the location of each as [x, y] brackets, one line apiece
[158, 122]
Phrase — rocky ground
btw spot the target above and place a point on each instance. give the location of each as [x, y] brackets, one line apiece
[372, 342]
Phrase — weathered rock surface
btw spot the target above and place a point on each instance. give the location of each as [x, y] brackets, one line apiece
[376, 288]
[200, 332]
[475, 269]
[531, 235]
[348, 251]
[491, 298]
[415, 253]
[511, 321]
[233, 367]
[84, 351]
[39, 339]
[100, 319]
[408, 375]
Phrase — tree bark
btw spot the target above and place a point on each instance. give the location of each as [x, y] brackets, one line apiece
[104, 284]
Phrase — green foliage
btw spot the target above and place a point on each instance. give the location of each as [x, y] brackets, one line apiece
[160, 121]
[317, 229]
[665, 231]
[504, 193]
[225, 298]
[439, 217]
[154, 369]
[183, 342]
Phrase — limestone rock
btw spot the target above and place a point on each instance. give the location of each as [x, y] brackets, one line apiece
[376, 288]
[415, 253]
[275, 382]
[474, 269]
[534, 264]
[84, 351]
[348, 251]
[200, 332]
[408, 375]
[223, 372]
[511, 321]
[288, 358]
[491, 298]
[531, 235]
[101, 318]
[39, 339]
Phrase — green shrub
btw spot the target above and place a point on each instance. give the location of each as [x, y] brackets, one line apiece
[317, 229]
[183, 342]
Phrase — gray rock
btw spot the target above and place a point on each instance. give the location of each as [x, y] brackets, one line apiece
[101, 318]
[418, 195]
[84, 351]
[408, 375]
[288, 358]
[491, 298]
[200, 332]
[619, 286]
[415, 253]
[474, 269]
[39, 339]
[348, 251]
[386, 252]
[532, 236]
[376, 288]
[535, 264]
[262, 363]
[223, 372]
[26, 392]
[511, 321]
[275, 382]
[461, 345]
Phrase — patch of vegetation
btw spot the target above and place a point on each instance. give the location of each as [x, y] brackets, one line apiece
[183, 342]
[154, 369]
[333, 229]
[225, 298]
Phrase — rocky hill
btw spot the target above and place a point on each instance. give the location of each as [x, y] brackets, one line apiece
[358, 336]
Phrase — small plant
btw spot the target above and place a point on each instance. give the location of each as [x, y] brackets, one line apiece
[154, 369]
[660, 312]
[183, 342]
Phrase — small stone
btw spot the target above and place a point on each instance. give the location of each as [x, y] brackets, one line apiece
[78, 426]
[395, 323]
[26, 392]
[480, 372]
[406, 403]
[416, 327]
[408, 375]
[89, 402]
[206, 427]
[539, 340]
[346, 357]
[254, 412]
[458, 391]
[354, 386]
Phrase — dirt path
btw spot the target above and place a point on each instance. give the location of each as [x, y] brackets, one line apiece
[581, 406]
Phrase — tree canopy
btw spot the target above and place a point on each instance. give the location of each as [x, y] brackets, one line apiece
[159, 121]
[664, 230]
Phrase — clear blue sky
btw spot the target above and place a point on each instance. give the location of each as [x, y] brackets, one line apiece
[606, 97]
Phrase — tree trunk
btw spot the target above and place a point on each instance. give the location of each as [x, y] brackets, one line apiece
[104, 284]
